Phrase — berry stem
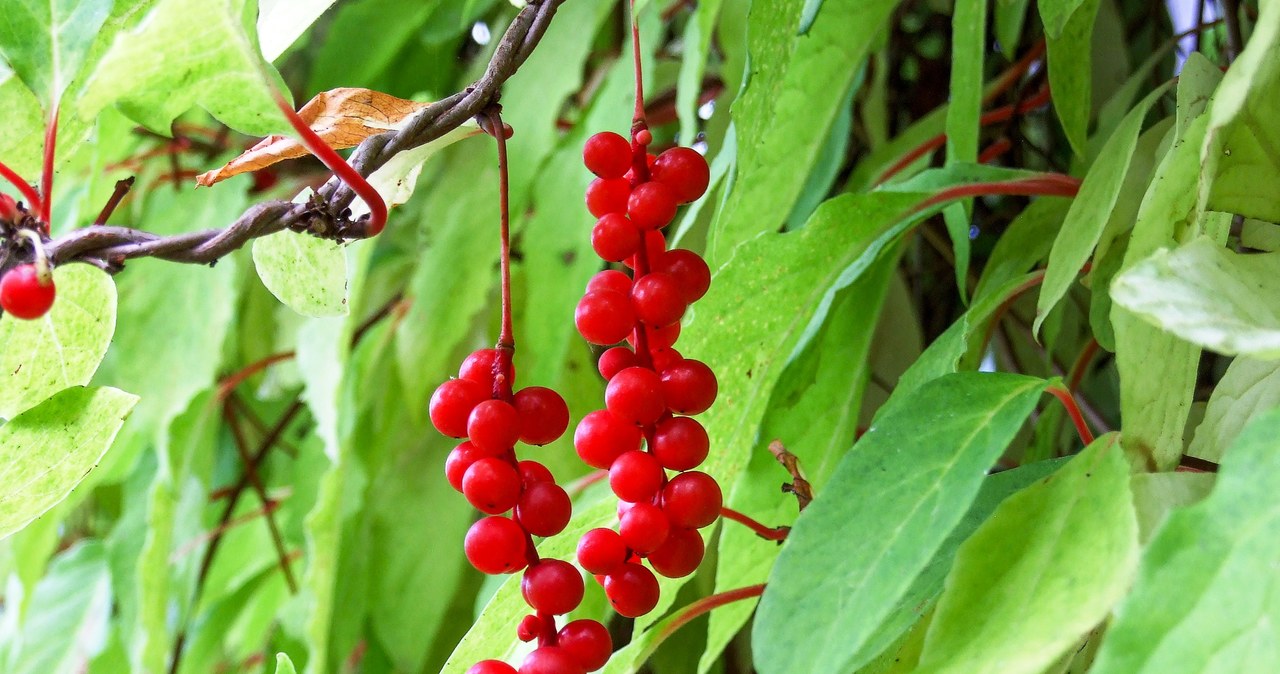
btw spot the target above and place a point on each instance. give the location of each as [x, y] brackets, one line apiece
[703, 606]
[28, 192]
[1073, 410]
[639, 162]
[1082, 364]
[506, 337]
[763, 531]
[46, 175]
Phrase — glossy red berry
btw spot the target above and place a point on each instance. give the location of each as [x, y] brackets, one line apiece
[544, 416]
[689, 270]
[459, 460]
[478, 367]
[24, 295]
[635, 395]
[615, 360]
[644, 527]
[8, 208]
[651, 205]
[685, 171]
[491, 667]
[636, 477]
[665, 358]
[632, 590]
[604, 317]
[601, 437]
[532, 471]
[493, 426]
[608, 196]
[607, 154]
[552, 586]
[614, 238]
[588, 642]
[692, 500]
[658, 299]
[601, 551]
[550, 660]
[680, 443]
[491, 485]
[679, 555]
[643, 137]
[689, 386]
[544, 509]
[610, 279]
[452, 403]
[529, 628]
[495, 545]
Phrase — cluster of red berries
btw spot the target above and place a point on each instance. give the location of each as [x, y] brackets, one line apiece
[479, 405]
[637, 437]
[24, 291]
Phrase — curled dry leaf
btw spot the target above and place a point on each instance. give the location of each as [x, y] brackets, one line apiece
[341, 117]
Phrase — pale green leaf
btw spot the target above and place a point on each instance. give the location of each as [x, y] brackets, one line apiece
[70, 609]
[21, 133]
[284, 665]
[381, 27]
[282, 22]
[1055, 14]
[1155, 495]
[307, 273]
[1069, 29]
[46, 41]
[968, 44]
[1248, 389]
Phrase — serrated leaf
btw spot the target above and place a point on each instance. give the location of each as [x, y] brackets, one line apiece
[64, 347]
[1041, 572]
[1248, 389]
[1201, 603]
[47, 450]
[307, 273]
[46, 41]
[893, 500]
[1069, 38]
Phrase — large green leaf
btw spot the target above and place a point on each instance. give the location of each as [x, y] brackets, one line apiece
[46, 41]
[891, 503]
[1202, 601]
[49, 449]
[1248, 389]
[381, 27]
[1041, 572]
[1069, 38]
[1209, 296]
[64, 347]
[308, 274]
[69, 613]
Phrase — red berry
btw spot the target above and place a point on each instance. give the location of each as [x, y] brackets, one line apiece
[588, 642]
[493, 426]
[532, 471]
[451, 405]
[601, 437]
[655, 244]
[604, 317]
[544, 509]
[636, 476]
[550, 660]
[689, 386]
[692, 500]
[665, 358]
[601, 551]
[644, 528]
[607, 154]
[651, 205]
[635, 394]
[680, 443]
[643, 137]
[552, 586]
[680, 555]
[614, 238]
[632, 590]
[24, 295]
[459, 460]
[544, 416]
[608, 196]
[491, 667]
[658, 299]
[615, 360]
[610, 279]
[478, 367]
[689, 270]
[9, 208]
[495, 545]
[529, 628]
[684, 171]
[491, 485]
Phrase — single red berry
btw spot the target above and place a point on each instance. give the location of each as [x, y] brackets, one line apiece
[478, 367]
[643, 137]
[459, 460]
[530, 628]
[614, 238]
[491, 667]
[601, 551]
[658, 299]
[495, 545]
[552, 586]
[665, 358]
[550, 660]
[692, 500]
[491, 485]
[452, 403]
[615, 360]
[636, 477]
[632, 590]
[588, 642]
[651, 205]
[8, 208]
[608, 196]
[607, 154]
[601, 437]
[604, 317]
[532, 471]
[644, 528]
[610, 279]
[680, 554]
[493, 426]
[685, 171]
[689, 386]
[544, 416]
[544, 509]
[689, 270]
[655, 244]
[680, 443]
[635, 394]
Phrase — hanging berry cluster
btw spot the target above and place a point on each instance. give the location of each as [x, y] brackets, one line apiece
[638, 437]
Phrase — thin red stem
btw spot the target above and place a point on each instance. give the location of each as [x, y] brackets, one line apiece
[46, 175]
[1073, 410]
[1082, 364]
[231, 381]
[761, 530]
[638, 122]
[334, 162]
[1015, 72]
[502, 366]
[703, 606]
[1045, 184]
[993, 151]
[29, 193]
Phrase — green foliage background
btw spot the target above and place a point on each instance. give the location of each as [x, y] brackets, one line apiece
[900, 345]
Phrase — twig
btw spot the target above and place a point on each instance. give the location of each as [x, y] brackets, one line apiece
[764, 531]
[798, 485]
[122, 189]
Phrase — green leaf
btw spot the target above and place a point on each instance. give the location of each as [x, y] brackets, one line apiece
[893, 500]
[693, 64]
[281, 22]
[968, 44]
[1248, 389]
[1010, 17]
[47, 450]
[284, 665]
[1209, 296]
[808, 15]
[21, 134]
[1242, 149]
[1041, 572]
[1055, 14]
[209, 59]
[381, 27]
[1155, 495]
[1024, 243]
[64, 347]
[1201, 602]
[70, 610]
[307, 273]
[46, 41]
[1069, 36]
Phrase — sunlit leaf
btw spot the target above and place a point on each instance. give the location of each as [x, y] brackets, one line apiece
[46, 41]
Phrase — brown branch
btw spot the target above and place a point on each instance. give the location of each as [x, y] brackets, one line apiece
[251, 473]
